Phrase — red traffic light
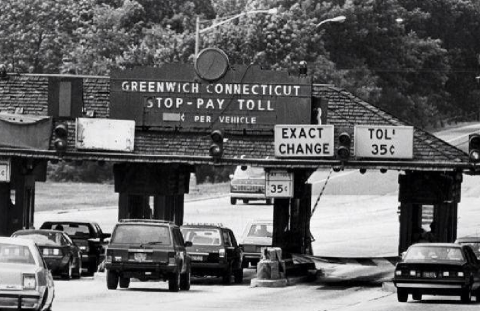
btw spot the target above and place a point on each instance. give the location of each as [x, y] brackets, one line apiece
[216, 148]
[61, 133]
[343, 151]
[474, 147]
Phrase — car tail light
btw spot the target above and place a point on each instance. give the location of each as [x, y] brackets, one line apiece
[84, 248]
[171, 258]
[52, 252]
[29, 281]
[108, 259]
[221, 253]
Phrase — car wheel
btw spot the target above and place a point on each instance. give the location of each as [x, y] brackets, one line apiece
[227, 275]
[477, 295]
[244, 263]
[233, 201]
[67, 274]
[238, 276]
[174, 282]
[124, 282]
[402, 295]
[416, 296]
[466, 295]
[245, 201]
[78, 269]
[185, 280]
[112, 279]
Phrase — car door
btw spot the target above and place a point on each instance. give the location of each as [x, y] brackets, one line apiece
[180, 246]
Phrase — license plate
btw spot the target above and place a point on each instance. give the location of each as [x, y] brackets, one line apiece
[429, 275]
[140, 256]
[197, 258]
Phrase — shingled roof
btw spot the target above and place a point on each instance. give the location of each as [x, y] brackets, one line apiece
[29, 94]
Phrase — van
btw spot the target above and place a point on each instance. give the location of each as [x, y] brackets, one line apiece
[248, 184]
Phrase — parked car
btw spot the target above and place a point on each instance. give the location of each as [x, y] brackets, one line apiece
[147, 250]
[60, 253]
[473, 242]
[248, 184]
[26, 283]
[446, 269]
[257, 234]
[88, 236]
[214, 251]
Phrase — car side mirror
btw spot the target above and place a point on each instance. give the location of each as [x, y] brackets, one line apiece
[188, 243]
[106, 235]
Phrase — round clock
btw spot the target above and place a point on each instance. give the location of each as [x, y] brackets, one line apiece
[211, 64]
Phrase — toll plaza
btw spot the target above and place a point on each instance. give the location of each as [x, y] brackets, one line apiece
[157, 124]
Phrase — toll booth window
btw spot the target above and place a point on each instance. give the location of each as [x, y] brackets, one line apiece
[17, 254]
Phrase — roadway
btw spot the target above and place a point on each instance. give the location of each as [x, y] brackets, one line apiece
[356, 217]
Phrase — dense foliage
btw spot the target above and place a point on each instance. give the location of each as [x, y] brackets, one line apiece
[416, 59]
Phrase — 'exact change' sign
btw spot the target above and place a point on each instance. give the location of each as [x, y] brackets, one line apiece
[304, 140]
[383, 141]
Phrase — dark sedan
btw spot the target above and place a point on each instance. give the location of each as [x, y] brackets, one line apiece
[62, 256]
[88, 236]
[447, 269]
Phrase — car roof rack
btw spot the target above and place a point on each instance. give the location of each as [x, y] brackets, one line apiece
[153, 221]
[205, 224]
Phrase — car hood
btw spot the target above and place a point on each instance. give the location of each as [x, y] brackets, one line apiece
[257, 241]
[11, 275]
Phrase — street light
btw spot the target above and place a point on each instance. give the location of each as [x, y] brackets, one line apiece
[199, 31]
[337, 19]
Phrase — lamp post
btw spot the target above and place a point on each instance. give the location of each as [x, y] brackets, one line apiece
[199, 31]
[337, 19]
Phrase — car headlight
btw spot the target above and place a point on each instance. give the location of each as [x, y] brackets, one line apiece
[29, 281]
[398, 272]
[461, 274]
[413, 273]
[446, 273]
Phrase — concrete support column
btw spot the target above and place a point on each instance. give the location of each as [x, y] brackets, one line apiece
[5, 207]
[410, 219]
[169, 207]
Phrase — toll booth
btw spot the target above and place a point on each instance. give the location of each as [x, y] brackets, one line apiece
[158, 124]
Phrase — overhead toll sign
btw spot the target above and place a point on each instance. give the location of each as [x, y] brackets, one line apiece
[245, 97]
[304, 141]
[383, 141]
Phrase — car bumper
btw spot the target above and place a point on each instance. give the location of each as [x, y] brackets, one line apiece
[26, 300]
[438, 287]
[57, 265]
[249, 196]
[142, 270]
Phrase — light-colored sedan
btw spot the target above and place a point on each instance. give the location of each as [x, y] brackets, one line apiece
[25, 281]
[257, 234]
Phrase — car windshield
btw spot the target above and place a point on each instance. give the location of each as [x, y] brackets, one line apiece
[17, 254]
[260, 230]
[202, 236]
[436, 253]
[141, 234]
[44, 238]
[249, 173]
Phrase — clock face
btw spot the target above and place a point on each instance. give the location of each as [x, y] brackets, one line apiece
[211, 64]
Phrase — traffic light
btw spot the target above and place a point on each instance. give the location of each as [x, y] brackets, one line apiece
[61, 137]
[343, 151]
[216, 148]
[474, 147]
